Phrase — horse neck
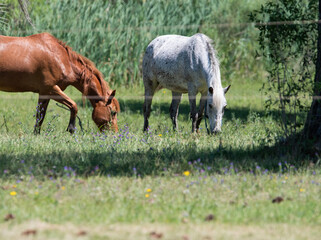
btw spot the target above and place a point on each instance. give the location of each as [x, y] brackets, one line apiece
[88, 84]
[96, 91]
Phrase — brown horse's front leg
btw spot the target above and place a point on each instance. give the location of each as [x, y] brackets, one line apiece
[61, 97]
[41, 113]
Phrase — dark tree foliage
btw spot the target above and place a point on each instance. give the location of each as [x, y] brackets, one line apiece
[288, 41]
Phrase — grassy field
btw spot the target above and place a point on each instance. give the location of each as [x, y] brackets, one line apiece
[245, 183]
[161, 184]
[198, 206]
[246, 132]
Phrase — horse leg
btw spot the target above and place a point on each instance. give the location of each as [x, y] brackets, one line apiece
[192, 103]
[150, 88]
[64, 99]
[147, 106]
[201, 110]
[173, 110]
[41, 113]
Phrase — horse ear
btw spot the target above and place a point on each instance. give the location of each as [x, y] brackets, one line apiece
[110, 98]
[226, 89]
[211, 90]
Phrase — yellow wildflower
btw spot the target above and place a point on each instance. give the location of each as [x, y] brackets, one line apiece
[148, 190]
[186, 173]
[13, 193]
[63, 188]
[147, 195]
[302, 190]
[164, 91]
[286, 178]
[160, 135]
[14, 186]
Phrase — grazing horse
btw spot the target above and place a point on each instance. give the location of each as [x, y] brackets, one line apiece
[185, 65]
[42, 64]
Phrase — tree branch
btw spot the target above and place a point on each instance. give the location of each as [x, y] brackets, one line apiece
[24, 8]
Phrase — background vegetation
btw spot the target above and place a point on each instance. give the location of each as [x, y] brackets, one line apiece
[114, 34]
[291, 70]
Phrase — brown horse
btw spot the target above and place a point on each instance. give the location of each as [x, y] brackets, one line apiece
[42, 64]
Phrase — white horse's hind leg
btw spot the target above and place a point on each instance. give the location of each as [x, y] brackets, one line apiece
[173, 110]
[147, 107]
[201, 110]
[149, 93]
[192, 103]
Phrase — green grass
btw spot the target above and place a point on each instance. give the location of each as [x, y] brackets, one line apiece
[102, 207]
[233, 198]
[97, 184]
[246, 131]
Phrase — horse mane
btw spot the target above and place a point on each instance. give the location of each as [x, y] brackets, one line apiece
[215, 63]
[215, 69]
[87, 67]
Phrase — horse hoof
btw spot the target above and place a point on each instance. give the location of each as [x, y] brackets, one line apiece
[36, 132]
[71, 130]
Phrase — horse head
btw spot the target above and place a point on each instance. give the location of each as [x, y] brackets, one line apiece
[216, 104]
[105, 113]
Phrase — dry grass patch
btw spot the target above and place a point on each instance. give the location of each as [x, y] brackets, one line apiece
[205, 231]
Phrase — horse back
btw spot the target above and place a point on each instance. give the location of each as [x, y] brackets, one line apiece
[32, 63]
[177, 61]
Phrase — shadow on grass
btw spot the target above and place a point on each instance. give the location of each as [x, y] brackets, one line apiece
[174, 159]
[136, 106]
[149, 162]
[184, 108]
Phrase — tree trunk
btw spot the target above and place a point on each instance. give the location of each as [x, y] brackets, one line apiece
[312, 128]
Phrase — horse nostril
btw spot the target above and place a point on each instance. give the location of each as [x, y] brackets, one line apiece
[210, 105]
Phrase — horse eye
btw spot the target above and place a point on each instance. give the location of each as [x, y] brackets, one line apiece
[113, 113]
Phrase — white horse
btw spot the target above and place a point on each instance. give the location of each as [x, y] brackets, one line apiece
[185, 65]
